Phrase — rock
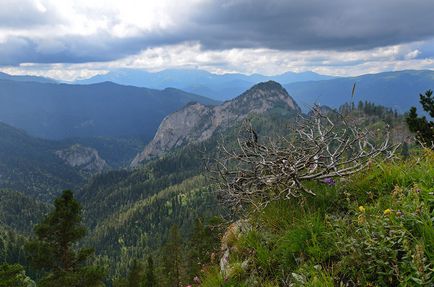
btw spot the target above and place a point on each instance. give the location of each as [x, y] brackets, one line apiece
[84, 158]
[196, 122]
[232, 234]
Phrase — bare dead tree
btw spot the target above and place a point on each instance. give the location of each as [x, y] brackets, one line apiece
[254, 173]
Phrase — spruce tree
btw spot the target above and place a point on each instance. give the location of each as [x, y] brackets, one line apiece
[54, 250]
[199, 247]
[173, 257]
[150, 279]
[136, 274]
[423, 128]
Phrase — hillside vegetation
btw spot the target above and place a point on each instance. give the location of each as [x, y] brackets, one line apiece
[167, 222]
[375, 229]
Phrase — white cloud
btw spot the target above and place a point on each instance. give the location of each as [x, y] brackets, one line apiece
[248, 61]
[412, 55]
[156, 35]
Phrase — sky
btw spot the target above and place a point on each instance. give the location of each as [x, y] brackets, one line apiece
[76, 39]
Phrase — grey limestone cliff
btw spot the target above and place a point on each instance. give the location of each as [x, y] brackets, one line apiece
[197, 122]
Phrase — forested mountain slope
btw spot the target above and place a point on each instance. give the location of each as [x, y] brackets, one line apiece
[134, 210]
[42, 168]
[59, 111]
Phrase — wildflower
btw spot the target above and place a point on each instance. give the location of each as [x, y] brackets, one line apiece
[329, 181]
[362, 209]
[399, 213]
[387, 211]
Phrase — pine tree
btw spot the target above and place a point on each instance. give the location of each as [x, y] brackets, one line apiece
[150, 279]
[136, 274]
[173, 257]
[54, 252]
[423, 128]
[199, 246]
[204, 240]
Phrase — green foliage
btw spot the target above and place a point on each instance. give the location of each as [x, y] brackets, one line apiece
[12, 247]
[29, 165]
[374, 229]
[29, 209]
[134, 278]
[14, 275]
[173, 258]
[203, 243]
[423, 128]
[130, 213]
[53, 250]
[150, 279]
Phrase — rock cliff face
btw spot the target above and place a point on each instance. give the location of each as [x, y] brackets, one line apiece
[196, 122]
[84, 158]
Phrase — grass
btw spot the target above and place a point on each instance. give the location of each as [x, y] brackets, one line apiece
[374, 229]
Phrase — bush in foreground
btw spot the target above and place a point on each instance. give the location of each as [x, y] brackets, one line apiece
[375, 229]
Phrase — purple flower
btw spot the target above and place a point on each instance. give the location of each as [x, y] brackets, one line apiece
[329, 181]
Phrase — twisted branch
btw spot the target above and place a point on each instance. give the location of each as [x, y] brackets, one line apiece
[317, 149]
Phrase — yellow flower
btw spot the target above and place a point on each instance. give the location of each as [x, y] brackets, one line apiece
[361, 208]
[387, 211]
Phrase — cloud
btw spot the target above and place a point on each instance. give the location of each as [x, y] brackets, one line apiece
[248, 61]
[25, 14]
[313, 25]
[213, 33]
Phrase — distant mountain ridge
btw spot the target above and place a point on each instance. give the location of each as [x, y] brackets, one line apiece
[216, 86]
[58, 111]
[26, 78]
[398, 90]
[197, 122]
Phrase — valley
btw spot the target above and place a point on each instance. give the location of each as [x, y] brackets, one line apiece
[135, 189]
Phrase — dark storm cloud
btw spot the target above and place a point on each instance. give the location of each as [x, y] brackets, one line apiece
[73, 49]
[315, 24]
[280, 25]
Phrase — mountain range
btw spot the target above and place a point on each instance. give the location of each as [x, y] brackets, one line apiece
[397, 90]
[58, 111]
[216, 86]
[26, 78]
[129, 212]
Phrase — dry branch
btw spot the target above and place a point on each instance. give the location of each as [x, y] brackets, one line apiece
[257, 173]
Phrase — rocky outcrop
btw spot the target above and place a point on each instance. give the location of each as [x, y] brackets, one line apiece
[196, 122]
[84, 158]
[231, 236]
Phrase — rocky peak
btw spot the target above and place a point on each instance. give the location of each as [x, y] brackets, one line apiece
[261, 97]
[84, 158]
[266, 88]
[196, 122]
